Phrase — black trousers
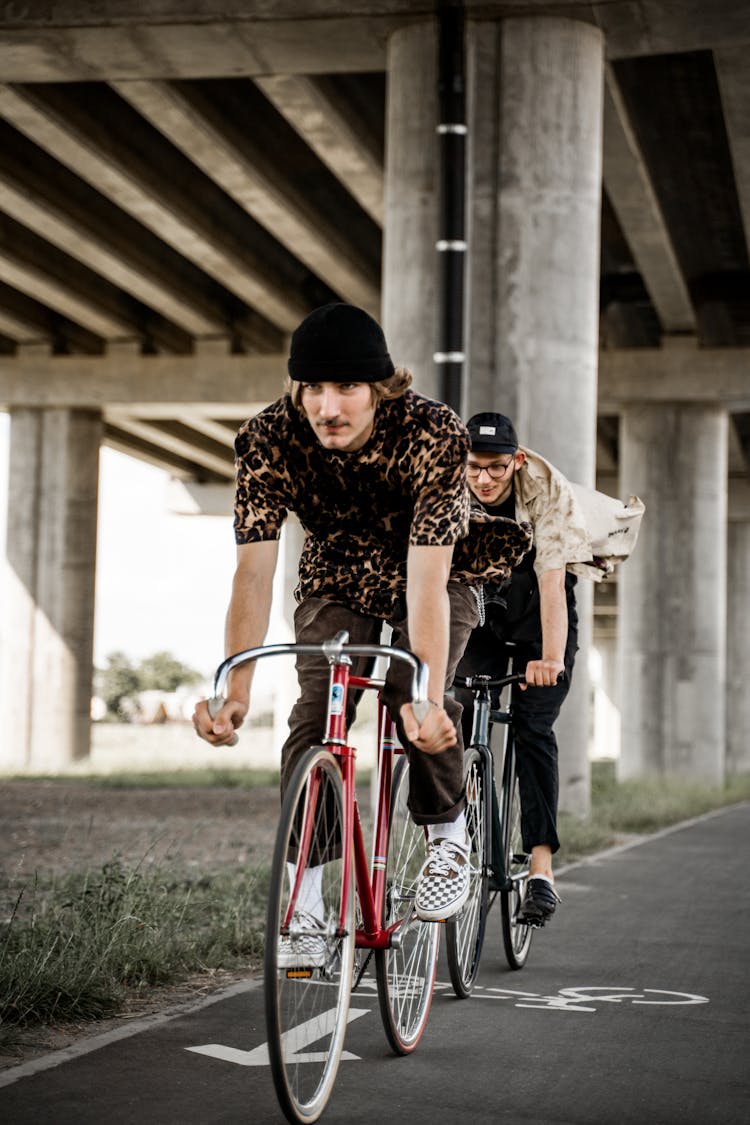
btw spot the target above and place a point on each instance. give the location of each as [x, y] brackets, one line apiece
[535, 711]
[436, 786]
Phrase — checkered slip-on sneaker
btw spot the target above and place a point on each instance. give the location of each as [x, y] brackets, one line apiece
[539, 903]
[305, 945]
[443, 885]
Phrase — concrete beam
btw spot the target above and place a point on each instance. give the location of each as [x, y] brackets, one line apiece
[202, 48]
[17, 329]
[606, 445]
[216, 386]
[653, 27]
[63, 231]
[181, 467]
[677, 373]
[734, 83]
[217, 431]
[72, 216]
[325, 124]
[162, 39]
[131, 185]
[225, 386]
[189, 498]
[38, 284]
[252, 178]
[59, 333]
[57, 281]
[735, 453]
[162, 436]
[739, 500]
[634, 200]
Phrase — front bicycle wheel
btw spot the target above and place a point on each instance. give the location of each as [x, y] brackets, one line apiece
[464, 933]
[516, 935]
[405, 971]
[309, 955]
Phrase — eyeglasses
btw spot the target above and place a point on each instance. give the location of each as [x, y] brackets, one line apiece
[495, 472]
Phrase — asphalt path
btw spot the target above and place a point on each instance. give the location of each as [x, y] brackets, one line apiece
[632, 1008]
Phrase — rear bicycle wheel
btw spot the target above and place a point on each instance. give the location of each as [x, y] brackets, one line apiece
[516, 935]
[308, 956]
[464, 933]
[406, 971]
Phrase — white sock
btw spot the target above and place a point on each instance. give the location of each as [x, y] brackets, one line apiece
[545, 877]
[453, 830]
[310, 897]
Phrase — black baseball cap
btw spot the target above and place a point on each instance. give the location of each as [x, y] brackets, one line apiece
[492, 433]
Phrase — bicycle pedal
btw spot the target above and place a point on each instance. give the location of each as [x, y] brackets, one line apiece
[533, 923]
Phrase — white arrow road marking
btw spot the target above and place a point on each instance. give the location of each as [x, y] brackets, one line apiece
[294, 1040]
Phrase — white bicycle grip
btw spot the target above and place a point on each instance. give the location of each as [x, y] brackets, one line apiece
[215, 705]
[421, 710]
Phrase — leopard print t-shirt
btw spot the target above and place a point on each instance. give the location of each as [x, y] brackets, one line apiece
[361, 511]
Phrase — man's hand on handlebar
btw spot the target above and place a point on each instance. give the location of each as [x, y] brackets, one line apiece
[436, 732]
[543, 673]
[221, 730]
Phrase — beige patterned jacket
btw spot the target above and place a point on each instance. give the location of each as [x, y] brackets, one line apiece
[545, 499]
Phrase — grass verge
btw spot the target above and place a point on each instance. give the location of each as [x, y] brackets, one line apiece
[203, 778]
[623, 809]
[75, 948]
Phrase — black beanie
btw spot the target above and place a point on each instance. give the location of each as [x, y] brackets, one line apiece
[339, 343]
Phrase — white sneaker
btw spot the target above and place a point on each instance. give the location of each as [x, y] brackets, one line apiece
[304, 947]
[443, 885]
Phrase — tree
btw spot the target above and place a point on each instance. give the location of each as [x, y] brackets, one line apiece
[121, 680]
[165, 672]
[117, 681]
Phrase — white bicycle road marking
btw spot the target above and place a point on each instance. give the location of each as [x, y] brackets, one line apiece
[295, 1041]
[577, 999]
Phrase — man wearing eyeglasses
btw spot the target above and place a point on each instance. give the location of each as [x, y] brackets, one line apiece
[536, 610]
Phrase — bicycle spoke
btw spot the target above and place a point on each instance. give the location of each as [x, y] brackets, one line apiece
[405, 972]
[465, 932]
[516, 935]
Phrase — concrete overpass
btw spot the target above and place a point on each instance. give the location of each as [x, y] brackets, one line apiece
[181, 183]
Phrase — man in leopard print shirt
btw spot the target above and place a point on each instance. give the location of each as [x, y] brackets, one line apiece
[376, 475]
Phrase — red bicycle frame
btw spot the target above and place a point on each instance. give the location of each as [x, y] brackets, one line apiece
[370, 883]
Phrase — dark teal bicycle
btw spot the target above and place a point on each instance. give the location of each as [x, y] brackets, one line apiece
[499, 864]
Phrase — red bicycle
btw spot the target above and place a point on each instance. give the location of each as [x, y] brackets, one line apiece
[320, 934]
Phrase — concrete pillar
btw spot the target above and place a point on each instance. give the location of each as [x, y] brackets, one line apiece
[410, 268]
[47, 629]
[606, 727]
[738, 642]
[535, 119]
[673, 593]
[535, 90]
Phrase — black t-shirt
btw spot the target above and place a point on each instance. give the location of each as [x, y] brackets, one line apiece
[513, 607]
